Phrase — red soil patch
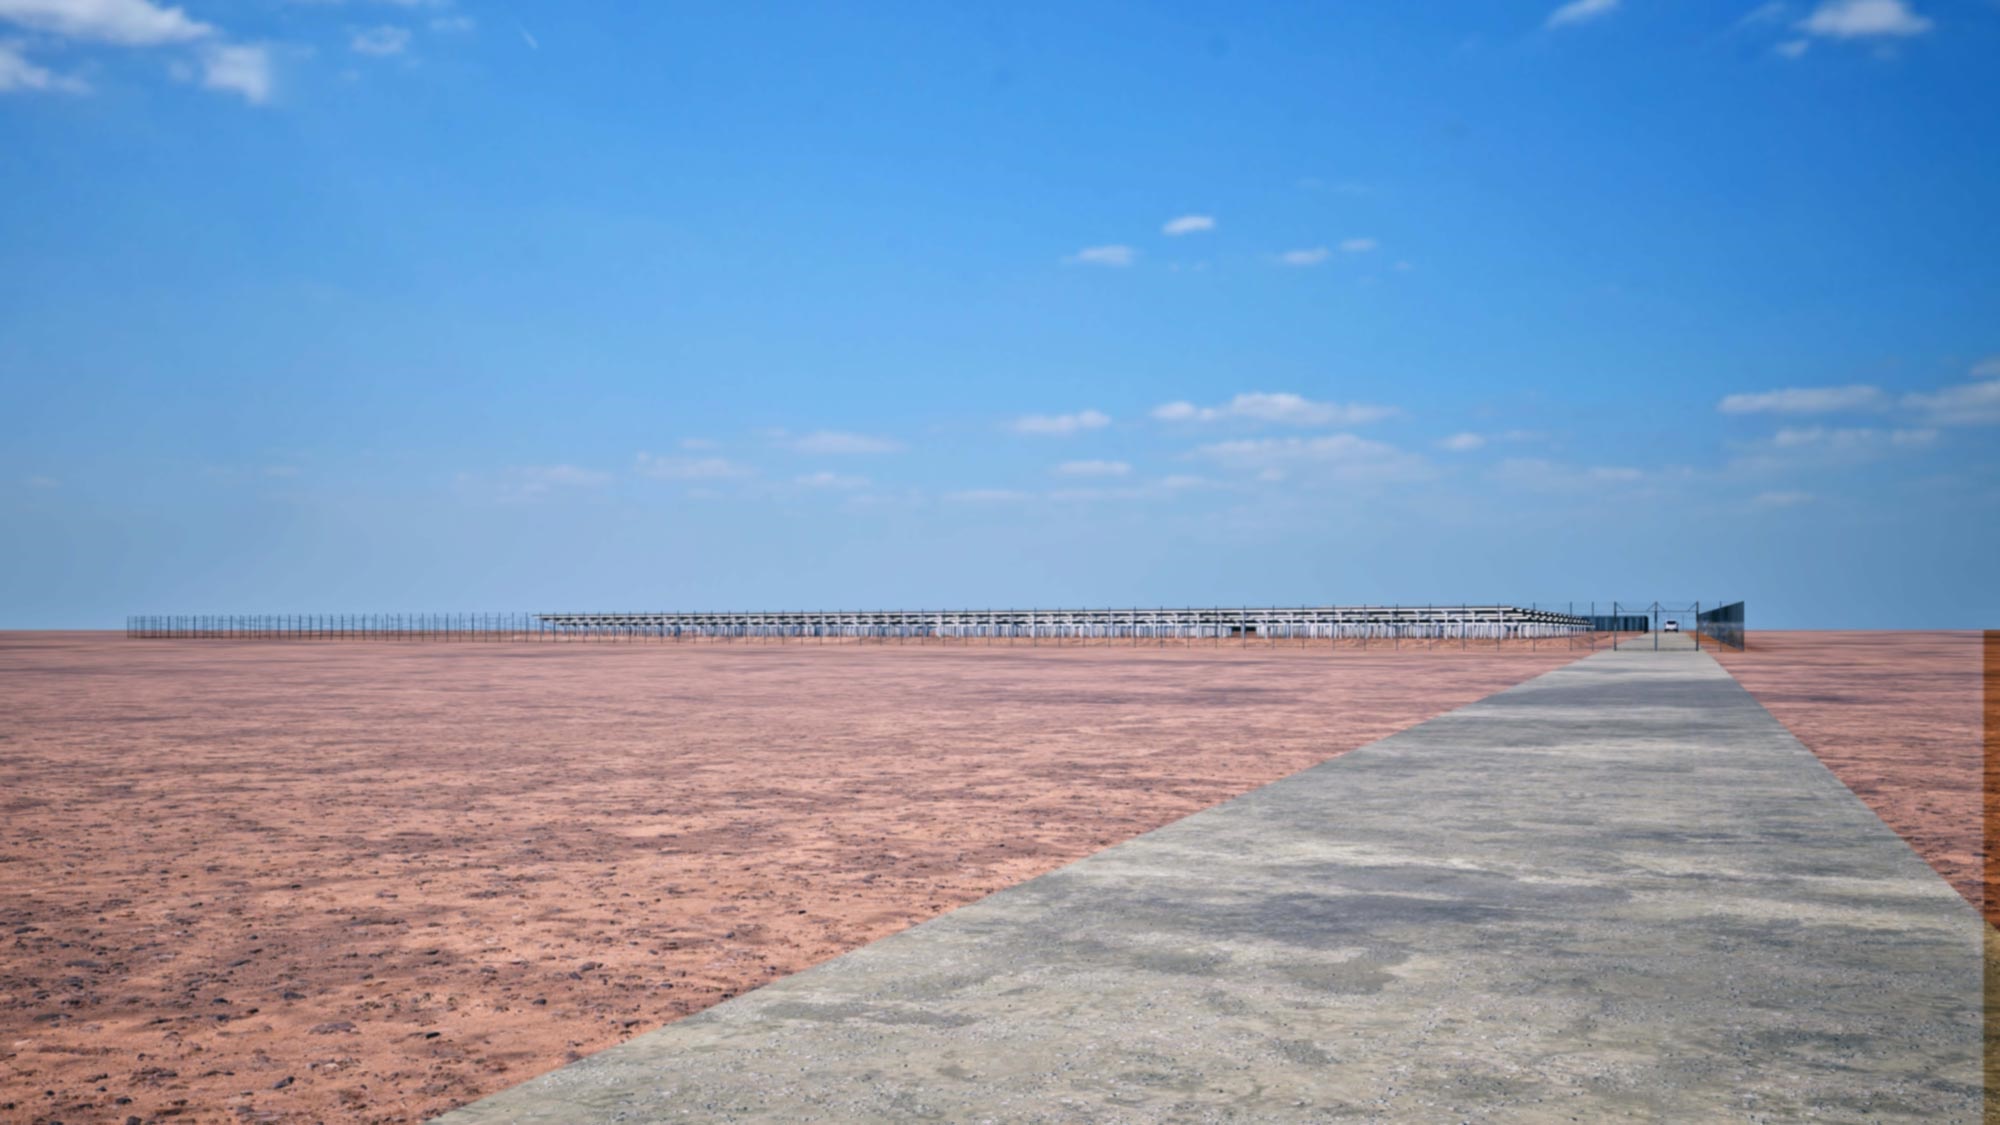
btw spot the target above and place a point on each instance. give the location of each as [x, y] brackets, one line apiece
[296, 882]
[1896, 716]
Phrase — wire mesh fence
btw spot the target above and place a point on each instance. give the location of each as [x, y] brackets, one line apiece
[1723, 625]
[1572, 626]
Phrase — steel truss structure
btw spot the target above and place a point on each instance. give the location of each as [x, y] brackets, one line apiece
[1301, 623]
[1275, 622]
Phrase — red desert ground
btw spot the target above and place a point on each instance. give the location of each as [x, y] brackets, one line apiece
[272, 882]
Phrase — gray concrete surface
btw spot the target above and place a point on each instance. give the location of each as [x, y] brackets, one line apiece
[1620, 891]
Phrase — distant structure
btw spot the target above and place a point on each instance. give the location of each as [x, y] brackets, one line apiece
[1362, 623]
[1276, 622]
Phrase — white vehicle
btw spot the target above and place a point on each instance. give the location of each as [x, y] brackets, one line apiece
[1673, 627]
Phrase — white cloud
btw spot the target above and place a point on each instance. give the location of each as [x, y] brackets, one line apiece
[1188, 224]
[1310, 257]
[239, 69]
[243, 69]
[824, 479]
[40, 481]
[1289, 409]
[688, 468]
[451, 25]
[128, 23]
[564, 476]
[696, 443]
[1864, 19]
[379, 41]
[1549, 476]
[1184, 480]
[17, 73]
[1851, 439]
[528, 483]
[533, 43]
[1061, 425]
[1581, 11]
[1093, 469]
[1462, 443]
[837, 442]
[986, 496]
[1796, 449]
[1341, 456]
[1972, 404]
[532, 482]
[1804, 400]
[1116, 256]
[1792, 48]
[1096, 494]
[1358, 245]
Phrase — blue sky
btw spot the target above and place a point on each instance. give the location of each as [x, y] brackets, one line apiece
[439, 305]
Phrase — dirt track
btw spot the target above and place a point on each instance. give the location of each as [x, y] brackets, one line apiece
[273, 882]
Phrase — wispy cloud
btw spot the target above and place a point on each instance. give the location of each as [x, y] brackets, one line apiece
[1851, 438]
[1581, 11]
[1093, 469]
[40, 481]
[1462, 443]
[1358, 245]
[126, 23]
[380, 41]
[1188, 224]
[1114, 256]
[1339, 456]
[564, 476]
[1284, 408]
[986, 496]
[832, 480]
[532, 482]
[1804, 400]
[1060, 425]
[18, 73]
[840, 442]
[243, 69]
[1972, 404]
[453, 25]
[1542, 475]
[688, 468]
[1864, 19]
[1308, 257]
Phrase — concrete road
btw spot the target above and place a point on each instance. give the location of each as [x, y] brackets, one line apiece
[1620, 891]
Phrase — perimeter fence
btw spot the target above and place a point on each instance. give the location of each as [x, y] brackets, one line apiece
[1723, 625]
[1574, 626]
